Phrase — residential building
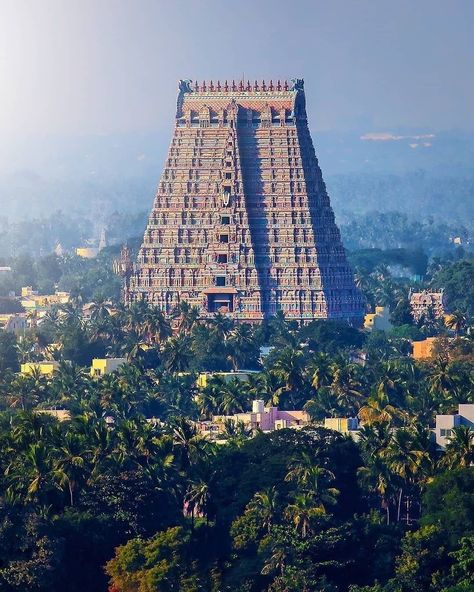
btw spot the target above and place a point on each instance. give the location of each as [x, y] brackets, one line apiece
[46, 368]
[378, 320]
[344, 425]
[266, 419]
[102, 366]
[204, 377]
[41, 303]
[13, 323]
[423, 350]
[446, 423]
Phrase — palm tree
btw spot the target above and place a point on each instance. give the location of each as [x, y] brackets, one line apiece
[235, 397]
[267, 385]
[187, 443]
[70, 313]
[377, 478]
[405, 459]
[69, 464]
[321, 370]
[99, 311]
[235, 431]
[289, 367]
[221, 326]
[68, 381]
[240, 344]
[300, 469]
[460, 448]
[379, 409]
[324, 404]
[33, 472]
[25, 348]
[264, 506]
[156, 325]
[347, 387]
[198, 498]
[177, 353]
[26, 391]
[441, 378]
[187, 317]
[456, 321]
[302, 511]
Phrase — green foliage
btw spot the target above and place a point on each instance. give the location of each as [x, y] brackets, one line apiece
[449, 504]
[457, 280]
[305, 509]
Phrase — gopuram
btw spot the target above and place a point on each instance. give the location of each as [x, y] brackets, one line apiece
[241, 223]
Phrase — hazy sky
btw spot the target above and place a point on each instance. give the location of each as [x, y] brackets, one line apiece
[100, 66]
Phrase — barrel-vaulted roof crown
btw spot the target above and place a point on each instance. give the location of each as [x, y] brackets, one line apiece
[216, 95]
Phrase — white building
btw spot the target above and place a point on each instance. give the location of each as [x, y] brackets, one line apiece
[446, 423]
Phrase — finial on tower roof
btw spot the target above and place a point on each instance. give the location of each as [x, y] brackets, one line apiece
[234, 88]
[271, 85]
[226, 86]
[249, 88]
[211, 86]
[278, 85]
[285, 87]
[218, 86]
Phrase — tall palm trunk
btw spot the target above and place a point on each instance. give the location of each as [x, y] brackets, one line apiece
[400, 495]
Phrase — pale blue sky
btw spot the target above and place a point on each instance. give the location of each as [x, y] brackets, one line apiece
[101, 66]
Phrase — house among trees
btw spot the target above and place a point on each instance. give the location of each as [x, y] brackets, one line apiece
[445, 424]
[266, 419]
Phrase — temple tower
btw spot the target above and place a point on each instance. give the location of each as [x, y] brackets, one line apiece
[241, 223]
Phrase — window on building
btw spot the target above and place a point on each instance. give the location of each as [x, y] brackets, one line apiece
[223, 238]
[222, 258]
[225, 220]
[228, 175]
[220, 280]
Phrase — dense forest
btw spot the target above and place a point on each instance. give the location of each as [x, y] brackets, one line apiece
[127, 495]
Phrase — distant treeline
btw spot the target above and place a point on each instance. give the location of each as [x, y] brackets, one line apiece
[419, 193]
[373, 230]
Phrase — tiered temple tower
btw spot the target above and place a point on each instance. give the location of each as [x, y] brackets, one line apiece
[241, 222]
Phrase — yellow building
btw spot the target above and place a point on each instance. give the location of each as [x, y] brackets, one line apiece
[204, 377]
[423, 350]
[102, 366]
[46, 368]
[31, 300]
[378, 320]
[87, 252]
[344, 425]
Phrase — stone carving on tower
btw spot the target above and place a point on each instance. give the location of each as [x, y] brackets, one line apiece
[241, 222]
